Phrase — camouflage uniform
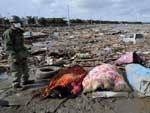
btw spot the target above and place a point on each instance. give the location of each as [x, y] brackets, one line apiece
[14, 45]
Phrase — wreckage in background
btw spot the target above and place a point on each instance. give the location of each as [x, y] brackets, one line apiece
[133, 37]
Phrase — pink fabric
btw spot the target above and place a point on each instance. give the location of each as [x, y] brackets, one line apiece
[77, 85]
[125, 59]
[105, 76]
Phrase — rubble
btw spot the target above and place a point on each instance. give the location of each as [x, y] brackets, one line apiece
[87, 46]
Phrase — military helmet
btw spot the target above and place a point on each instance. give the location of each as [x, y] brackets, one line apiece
[14, 19]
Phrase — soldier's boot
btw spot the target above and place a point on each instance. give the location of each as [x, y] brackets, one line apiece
[25, 76]
[16, 86]
[28, 82]
[16, 80]
[25, 79]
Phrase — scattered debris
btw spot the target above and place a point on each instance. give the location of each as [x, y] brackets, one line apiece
[27, 34]
[46, 72]
[88, 46]
[109, 94]
[134, 38]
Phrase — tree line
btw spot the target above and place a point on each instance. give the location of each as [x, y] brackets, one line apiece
[42, 21]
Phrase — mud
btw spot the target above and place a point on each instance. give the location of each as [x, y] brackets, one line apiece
[82, 105]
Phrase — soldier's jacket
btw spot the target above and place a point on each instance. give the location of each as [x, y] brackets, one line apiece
[14, 43]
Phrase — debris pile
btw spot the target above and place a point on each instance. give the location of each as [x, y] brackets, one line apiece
[89, 60]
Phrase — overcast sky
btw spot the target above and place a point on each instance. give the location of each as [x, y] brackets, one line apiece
[131, 10]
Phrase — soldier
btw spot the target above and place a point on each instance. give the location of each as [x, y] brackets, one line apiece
[14, 45]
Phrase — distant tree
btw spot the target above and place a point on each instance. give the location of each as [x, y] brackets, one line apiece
[42, 21]
[6, 21]
[76, 21]
[1, 21]
[31, 20]
[60, 21]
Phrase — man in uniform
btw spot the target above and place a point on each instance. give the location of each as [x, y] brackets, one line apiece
[14, 45]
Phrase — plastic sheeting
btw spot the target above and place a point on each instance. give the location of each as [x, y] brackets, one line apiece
[139, 78]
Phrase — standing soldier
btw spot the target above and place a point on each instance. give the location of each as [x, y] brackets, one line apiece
[14, 45]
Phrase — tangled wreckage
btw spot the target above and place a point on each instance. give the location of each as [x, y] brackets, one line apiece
[85, 68]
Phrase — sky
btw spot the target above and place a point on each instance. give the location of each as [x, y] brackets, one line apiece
[122, 10]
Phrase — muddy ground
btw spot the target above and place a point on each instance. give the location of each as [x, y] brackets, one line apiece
[83, 104]
[79, 105]
[94, 40]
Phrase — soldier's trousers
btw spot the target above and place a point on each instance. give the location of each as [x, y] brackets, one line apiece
[19, 71]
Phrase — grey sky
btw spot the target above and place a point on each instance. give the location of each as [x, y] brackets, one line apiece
[86, 9]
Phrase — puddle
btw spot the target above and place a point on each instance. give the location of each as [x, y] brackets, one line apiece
[3, 76]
